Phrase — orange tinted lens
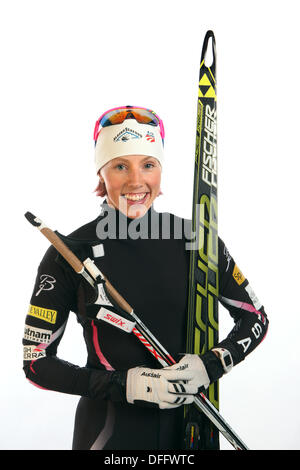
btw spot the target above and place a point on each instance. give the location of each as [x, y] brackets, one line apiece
[117, 117]
[143, 116]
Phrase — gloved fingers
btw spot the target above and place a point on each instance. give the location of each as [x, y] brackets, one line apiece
[188, 361]
[173, 400]
[181, 388]
[173, 374]
[177, 393]
[163, 405]
[146, 386]
[190, 369]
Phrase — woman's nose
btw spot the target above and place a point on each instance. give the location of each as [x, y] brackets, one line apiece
[135, 177]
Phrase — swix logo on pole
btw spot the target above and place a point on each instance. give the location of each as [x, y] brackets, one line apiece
[115, 320]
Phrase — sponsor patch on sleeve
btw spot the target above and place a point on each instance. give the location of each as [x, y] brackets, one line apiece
[33, 352]
[37, 335]
[238, 275]
[43, 313]
[257, 304]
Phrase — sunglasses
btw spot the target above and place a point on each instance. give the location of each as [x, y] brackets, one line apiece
[118, 116]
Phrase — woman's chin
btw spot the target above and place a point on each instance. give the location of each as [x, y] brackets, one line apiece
[136, 211]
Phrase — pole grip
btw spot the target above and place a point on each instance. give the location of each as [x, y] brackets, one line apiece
[117, 297]
[63, 249]
[72, 259]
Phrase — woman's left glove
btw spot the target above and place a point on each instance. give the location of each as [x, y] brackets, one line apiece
[190, 369]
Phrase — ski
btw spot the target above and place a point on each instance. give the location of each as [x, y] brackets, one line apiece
[202, 320]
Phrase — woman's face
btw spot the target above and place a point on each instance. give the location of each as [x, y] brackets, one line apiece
[132, 183]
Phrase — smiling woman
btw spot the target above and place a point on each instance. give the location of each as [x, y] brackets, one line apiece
[128, 156]
[131, 183]
[126, 402]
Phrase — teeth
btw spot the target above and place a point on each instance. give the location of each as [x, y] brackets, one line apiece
[135, 197]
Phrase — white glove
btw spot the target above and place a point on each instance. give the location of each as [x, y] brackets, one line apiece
[191, 370]
[151, 387]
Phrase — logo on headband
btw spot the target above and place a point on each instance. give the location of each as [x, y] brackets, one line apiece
[127, 134]
[150, 136]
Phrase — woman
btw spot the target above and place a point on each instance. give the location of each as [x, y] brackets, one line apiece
[125, 402]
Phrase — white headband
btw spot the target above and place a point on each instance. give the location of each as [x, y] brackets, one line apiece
[128, 138]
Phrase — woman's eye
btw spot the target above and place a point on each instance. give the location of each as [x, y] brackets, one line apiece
[120, 166]
[149, 165]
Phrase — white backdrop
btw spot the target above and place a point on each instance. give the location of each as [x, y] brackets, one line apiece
[63, 63]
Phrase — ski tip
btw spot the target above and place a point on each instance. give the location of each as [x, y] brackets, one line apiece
[33, 219]
[209, 48]
[209, 34]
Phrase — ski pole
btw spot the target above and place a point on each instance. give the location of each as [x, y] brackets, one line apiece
[93, 276]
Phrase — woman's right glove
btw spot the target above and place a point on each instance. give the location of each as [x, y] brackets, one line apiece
[152, 387]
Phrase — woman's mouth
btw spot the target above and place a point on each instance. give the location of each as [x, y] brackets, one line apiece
[135, 198]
